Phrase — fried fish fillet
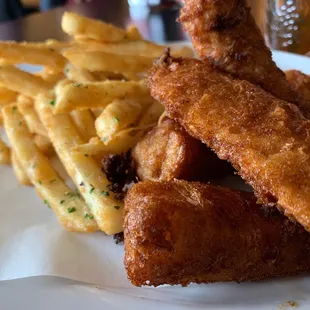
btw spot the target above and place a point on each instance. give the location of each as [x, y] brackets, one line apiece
[169, 152]
[180, 232]
[300, 82]
[266, 140]
[224, 34]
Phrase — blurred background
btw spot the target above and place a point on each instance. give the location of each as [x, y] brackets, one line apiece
[285, 23]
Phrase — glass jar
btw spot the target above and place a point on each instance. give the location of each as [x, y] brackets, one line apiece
[288, 25]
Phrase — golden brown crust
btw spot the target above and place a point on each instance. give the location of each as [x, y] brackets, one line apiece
[300, 82]
[224, 34]
[267, 140]
[180, 232]
[169, 152]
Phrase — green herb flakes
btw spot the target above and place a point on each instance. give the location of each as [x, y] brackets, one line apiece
[89, 216]
[105, 194]
[62, 201]
[117, 207]
[116, 119]
[71, 210]
[52, 102]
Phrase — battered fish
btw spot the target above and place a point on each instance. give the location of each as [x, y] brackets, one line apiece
[300, 82]
[224, 34]
[267, 140]
[169, 152]
[180, 232]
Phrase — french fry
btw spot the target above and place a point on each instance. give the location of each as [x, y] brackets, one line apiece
[23, 82]
[127, 64]
[52, 77]
[71, 96]
[96, 112]
[70, 209]
[77, 25]
[82, 168]
[84, 121]
[5, 157]
[79, 75]
[119, 114]
[152, 114]
[25, 107]
[133, 33]
[7, 96]
[19, 171]
[44, 145]
[32, 54]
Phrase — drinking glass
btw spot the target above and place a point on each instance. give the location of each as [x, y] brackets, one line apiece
[287, 25]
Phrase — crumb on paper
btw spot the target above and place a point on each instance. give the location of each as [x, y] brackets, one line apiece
[288, 304]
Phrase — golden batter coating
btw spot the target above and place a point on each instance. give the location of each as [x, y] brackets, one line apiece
[267, 140]
[169, 152]
[300, 82]
[225, 35]
[180, 232]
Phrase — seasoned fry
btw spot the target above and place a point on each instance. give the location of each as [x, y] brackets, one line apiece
[36, 55]
[127, 64]
[118, 115]
[44, 144]
[25, 107]
[84, 121]
[133, 33]
[180, 232]
[71, 96]
[70, 209]
[19, 171]
[7, 96]
[23, 82]
[83, 169]
[77, 25]
[79, 75]
[5, 157]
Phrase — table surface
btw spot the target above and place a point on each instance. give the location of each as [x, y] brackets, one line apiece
[158, 27]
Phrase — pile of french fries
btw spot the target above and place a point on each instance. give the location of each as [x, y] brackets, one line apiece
[89, 100]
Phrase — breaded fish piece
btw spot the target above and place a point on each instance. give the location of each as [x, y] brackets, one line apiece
[300, 82]
[169, 152]
[180, 232]
[266, 140]
[224, 34]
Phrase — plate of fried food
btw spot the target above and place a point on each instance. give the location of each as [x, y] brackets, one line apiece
[200, 164]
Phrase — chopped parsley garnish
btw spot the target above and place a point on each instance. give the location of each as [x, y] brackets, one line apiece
[20, 122]
[117, 207]
[82, 183]
[62, 201]
[78, 85]
[67, 70]
[105, 194]
[40, 182]
[52, 181]
[92, 188]
[71, 210]
[73, 194]
[88, 216]
[14, 109]
[116, 119]
[46, 203]
[104, 139]
[86, 155]
[52, 102]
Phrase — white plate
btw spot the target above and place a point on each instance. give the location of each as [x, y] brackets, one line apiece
[46, 293]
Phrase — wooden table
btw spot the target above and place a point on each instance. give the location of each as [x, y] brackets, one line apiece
[158, 27]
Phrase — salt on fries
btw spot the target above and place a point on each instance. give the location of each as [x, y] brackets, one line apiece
[88, 101]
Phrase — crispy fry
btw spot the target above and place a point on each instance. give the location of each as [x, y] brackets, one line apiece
[70, 209]
[180, 232]
[152, 114]
[36, 55]
[19, 171]
[5, 157]
[23, 82]
[133, 33]
[84, 121]
[79, 75]
[77, 25]
[83, 169]
[25, 107]
[71, 96]
[7, 96]
[118, 115]
[44, 144]
[127, 64]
